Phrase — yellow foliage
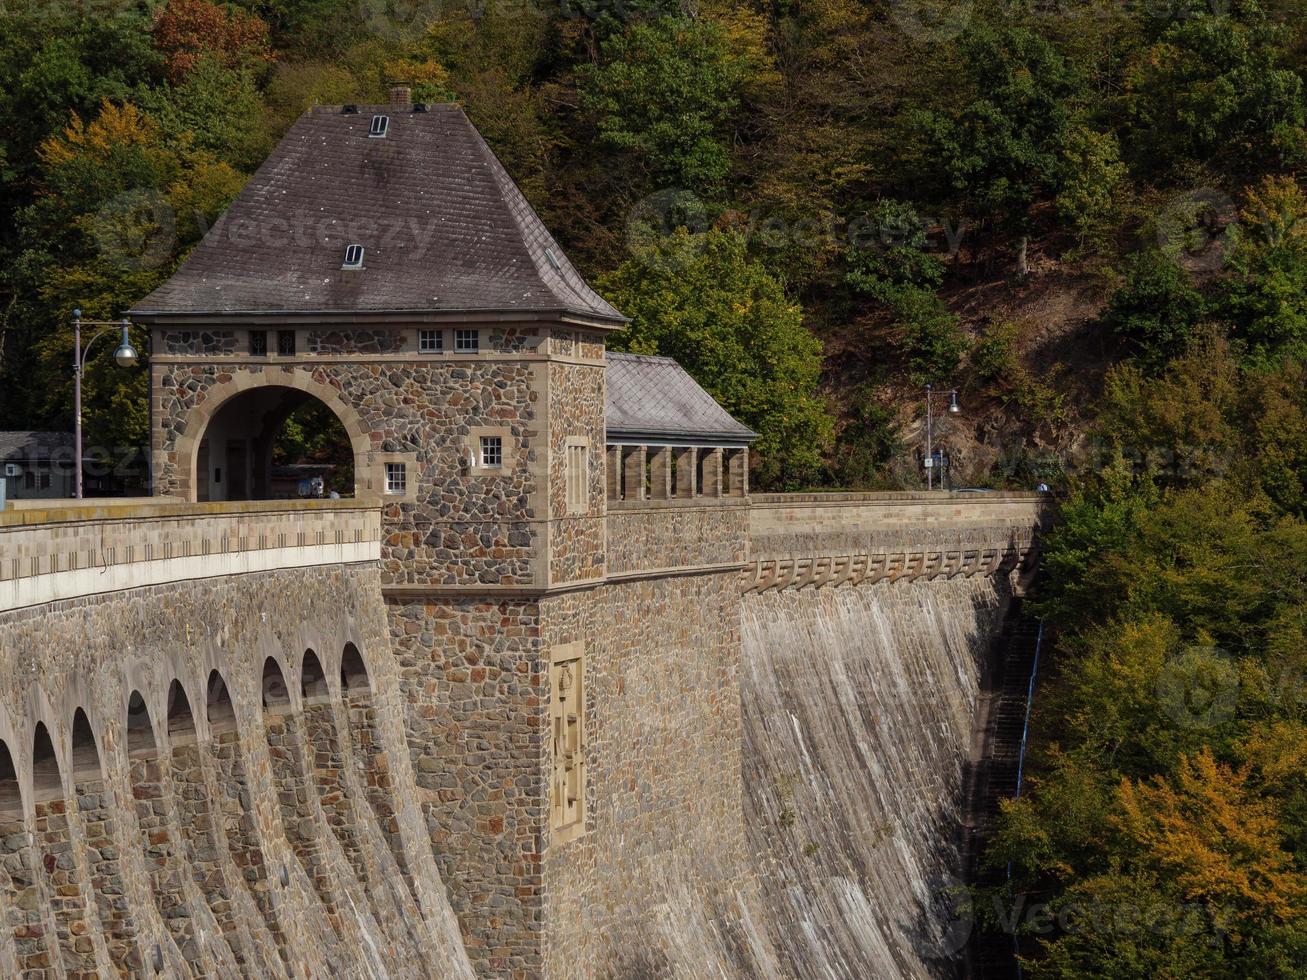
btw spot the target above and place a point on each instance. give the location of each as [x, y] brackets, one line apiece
[1278, 749]
[115, 126]
[1215, 837]
[417, 73]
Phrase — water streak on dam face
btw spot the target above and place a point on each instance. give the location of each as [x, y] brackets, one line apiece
[858, 706]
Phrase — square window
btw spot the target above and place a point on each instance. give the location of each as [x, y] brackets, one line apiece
[430, 341]
[259, 343]
[492, 451]
[286, 343]
[396, 478]
[467, 341]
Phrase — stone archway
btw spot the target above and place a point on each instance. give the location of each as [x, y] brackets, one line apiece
[270, 402]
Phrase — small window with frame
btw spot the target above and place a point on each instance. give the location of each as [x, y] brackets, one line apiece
[259, 343]
[431, 341]
[286, 343]
[492, 452]
[467, 341]
[396, 479]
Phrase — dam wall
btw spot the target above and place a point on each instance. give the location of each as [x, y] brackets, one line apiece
[202, 762]
[866, 622]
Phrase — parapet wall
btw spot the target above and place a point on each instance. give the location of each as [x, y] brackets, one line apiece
[802, 540]
[67, 552]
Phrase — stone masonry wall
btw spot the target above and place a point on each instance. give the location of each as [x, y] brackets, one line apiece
[181, 858]
[473, 674]
[663, 855]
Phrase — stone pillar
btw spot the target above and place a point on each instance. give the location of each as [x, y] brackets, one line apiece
[737, 473]
[687, 472]
[55, 858]
[613, 472]
[117, 920]
[162, 855]
[633, 460]
[660, 472]
[711, 461]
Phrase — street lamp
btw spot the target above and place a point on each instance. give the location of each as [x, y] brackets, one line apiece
[125, 356]
[953, 409]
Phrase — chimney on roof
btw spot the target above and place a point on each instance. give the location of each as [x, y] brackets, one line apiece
[401, 95]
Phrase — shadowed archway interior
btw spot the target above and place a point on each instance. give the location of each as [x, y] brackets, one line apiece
[271, 443]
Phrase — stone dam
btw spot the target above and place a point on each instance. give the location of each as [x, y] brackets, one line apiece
[549, 692]
[227, 749]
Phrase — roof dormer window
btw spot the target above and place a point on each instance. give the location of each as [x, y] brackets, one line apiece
[353, 257]
[380, 126]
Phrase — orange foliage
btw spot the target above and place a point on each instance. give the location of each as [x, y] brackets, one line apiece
[186, 30]
[1216, 837]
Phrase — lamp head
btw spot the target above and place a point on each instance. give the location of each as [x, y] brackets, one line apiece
[953, 407]
[126, 355]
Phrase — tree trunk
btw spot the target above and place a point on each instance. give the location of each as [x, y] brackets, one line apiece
[1023, 265]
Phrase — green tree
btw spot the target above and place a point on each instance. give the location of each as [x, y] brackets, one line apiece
[1004, 148]
[118, 207]
[1156, 307]
[1265, 291]
[1214, 89]
[701, 300]
[663, 94]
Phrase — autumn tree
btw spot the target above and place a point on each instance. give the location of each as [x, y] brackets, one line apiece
[187, 31]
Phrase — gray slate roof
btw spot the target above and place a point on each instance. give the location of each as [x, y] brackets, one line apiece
[444, 227]
[653, 399]
[35, 446]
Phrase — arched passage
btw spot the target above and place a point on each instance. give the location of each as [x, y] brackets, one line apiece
[275, 692]
[181, 720]
[86, 757]
[353, 673]
[140, 732]
[221, 712]
[276, 441]
[11, 794]
[46, 783]
[313, 679]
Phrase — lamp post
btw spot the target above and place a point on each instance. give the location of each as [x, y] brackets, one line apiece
[125, 356]
[953, 409]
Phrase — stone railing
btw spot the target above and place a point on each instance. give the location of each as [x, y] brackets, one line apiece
[67, 550]
[653, 537]
[802, 540]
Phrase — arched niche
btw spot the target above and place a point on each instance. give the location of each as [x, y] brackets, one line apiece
[275, 691]
[218, 704]
[140, 730]
[47, 784]
[11, 793]
[313, 679]
[354, 677]
[86, 754]
[181, 720]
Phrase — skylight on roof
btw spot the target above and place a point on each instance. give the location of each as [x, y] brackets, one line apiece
[353, 257]
[380, 126]
[553, 260]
